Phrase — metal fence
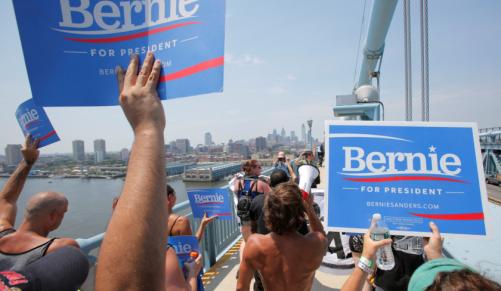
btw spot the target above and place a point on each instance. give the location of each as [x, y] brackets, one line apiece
[219, 236]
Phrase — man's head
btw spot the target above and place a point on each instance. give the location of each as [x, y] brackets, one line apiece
[171, 197]
[281, 156]
[47, 209]
[278, 177]
[284, 209]
[307, 155]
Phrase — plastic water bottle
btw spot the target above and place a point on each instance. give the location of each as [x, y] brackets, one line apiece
[384, 256]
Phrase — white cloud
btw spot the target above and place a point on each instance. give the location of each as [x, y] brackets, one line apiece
[278, 90]
[242, 60]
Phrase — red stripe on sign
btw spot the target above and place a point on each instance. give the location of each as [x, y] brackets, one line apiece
[217, 62]
[457, 216]
[132, 36]
[404, 178]
[47, 135]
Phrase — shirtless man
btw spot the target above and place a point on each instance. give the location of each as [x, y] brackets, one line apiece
[44, 213]
[285, 259]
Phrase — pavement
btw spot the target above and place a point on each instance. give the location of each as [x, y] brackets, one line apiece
[494, 194]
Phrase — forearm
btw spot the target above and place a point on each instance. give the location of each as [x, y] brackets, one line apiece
[315, 224]
[137, 226]
[200, 231]
[15, 183]
[356, 280]
[192, 282]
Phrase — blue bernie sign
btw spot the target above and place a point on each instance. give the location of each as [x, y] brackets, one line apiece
[410, 172]
[33, 120]
[71, 47]
[211, 201]
[183, 245]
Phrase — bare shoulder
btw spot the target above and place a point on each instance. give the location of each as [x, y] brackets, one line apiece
[257, 244]
[316, 239]
[62, 242]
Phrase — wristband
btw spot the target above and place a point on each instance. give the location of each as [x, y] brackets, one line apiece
[365, 265]
[367, 262]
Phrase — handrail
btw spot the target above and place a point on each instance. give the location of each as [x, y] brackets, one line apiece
[218, 236]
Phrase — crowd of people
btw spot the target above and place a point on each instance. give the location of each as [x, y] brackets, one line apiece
[284, 238]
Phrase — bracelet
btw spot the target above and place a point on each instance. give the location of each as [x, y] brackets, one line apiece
[367, 262]
[365, 265]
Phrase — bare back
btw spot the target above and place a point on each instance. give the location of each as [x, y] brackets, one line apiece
[286, 262]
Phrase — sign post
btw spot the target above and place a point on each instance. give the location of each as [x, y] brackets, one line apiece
[410, 172]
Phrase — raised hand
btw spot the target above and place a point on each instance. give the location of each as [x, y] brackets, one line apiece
[433, 245]
[206, 220]
[138, 94]
[30, 150]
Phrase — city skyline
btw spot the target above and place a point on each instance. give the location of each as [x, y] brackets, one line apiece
[282, 75]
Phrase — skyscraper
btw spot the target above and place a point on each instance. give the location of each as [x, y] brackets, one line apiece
[183, 145]
[124, 155]
[99, 150]
[260, 144]
[13, 154]
[208, 139]
[79, 150]
[282, 133]
[303, 133]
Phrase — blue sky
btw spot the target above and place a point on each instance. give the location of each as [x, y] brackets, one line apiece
[285, 63]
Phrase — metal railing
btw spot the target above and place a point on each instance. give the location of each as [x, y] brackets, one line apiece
[219, 235]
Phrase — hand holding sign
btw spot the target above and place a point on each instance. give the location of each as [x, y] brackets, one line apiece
[30, 150]
[138, 95]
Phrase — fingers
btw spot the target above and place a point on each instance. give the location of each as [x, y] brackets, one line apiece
[145, 70]
[383, 242]
[154, 75]
[36, 143]
[120, 77]
[27, 141]
[434, 229]
[131, 75]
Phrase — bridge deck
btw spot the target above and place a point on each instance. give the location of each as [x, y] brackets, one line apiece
[222, 276]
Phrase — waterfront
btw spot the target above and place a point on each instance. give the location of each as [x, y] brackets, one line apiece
[89, 201]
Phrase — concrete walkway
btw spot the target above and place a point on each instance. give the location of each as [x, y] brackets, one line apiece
[222, 276]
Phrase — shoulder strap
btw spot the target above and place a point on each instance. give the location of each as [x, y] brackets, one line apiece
[46, 246]
[6, 232]
[172, 226]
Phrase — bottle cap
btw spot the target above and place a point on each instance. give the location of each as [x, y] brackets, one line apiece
[376, 216]
[193, 254]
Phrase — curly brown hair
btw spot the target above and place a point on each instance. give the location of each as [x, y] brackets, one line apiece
[284, 209]
[248, 165]
[462, 280]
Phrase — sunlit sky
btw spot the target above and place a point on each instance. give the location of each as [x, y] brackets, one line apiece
[285, 63]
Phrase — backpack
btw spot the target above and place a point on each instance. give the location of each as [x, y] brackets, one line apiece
[245, 196]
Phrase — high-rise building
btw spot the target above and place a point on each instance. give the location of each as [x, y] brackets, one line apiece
[183, 145]
[13, 154]
[260, 144]
[124, 155]
[303, 133]
[99, 150]
[79, 150]
[208, 139]
[282, 133]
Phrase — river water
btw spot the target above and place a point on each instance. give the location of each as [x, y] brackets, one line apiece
[89, 201]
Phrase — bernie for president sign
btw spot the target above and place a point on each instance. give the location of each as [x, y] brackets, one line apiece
[34, 121]
[410, 172]
[72, 47]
